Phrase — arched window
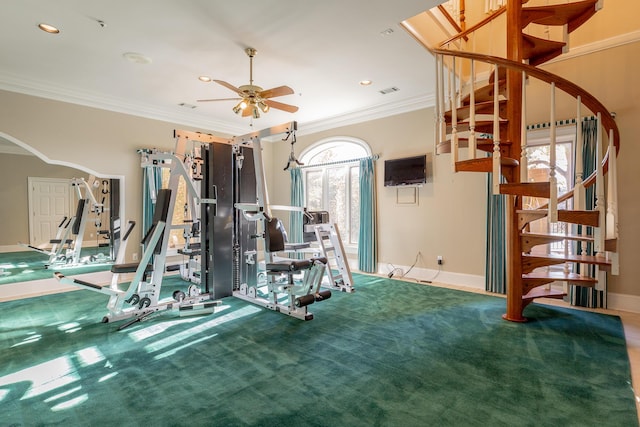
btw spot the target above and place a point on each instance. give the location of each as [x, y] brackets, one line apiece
[332, 182]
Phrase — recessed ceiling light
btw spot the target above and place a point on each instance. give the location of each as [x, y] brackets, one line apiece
[205, 79]
[136, 58]
[365, 82]
[48, 28]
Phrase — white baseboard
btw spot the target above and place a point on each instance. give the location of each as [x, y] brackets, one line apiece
[621, 302]
[440, 276]
[19, 248]
[37, 288]
[12, 248]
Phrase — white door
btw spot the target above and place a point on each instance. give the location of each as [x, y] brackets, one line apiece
[49, 203]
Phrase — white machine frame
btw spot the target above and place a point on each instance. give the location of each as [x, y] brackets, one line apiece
[64, 251]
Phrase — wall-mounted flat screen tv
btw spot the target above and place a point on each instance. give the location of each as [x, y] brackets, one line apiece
[405, 171]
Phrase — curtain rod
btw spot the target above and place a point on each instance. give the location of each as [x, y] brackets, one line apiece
[339, 162]
[558, 123]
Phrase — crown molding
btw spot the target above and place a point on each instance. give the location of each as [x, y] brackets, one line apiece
[40, 89]
[367, 114]
[11, 148]
[605, 44]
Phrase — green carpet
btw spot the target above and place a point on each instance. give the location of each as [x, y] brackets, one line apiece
[30, 265]
[391, 354]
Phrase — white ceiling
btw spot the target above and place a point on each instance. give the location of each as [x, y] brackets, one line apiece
[321, 49]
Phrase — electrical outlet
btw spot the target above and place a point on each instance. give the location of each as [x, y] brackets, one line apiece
[439, 259]
[135, 256]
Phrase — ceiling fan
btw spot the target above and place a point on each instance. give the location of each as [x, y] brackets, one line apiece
[254, 99]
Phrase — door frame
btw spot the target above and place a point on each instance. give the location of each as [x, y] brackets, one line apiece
[30, 182]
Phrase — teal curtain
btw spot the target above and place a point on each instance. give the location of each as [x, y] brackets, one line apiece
[579, 295]
[368, 239]
[495, 255]
[297, 199]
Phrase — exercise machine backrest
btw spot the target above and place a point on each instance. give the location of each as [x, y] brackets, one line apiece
[275, 236]
[79, 215]
[159, 214]
[313, 218]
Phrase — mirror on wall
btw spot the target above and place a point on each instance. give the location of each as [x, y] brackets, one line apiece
[44, 202]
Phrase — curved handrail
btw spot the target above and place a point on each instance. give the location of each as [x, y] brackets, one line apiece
[561, 83]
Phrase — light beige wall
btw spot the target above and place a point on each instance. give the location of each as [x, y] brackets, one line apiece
[450, 217]
[14, 209]
[102, 142]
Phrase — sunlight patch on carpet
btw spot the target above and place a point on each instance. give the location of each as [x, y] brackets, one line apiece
[189, 333]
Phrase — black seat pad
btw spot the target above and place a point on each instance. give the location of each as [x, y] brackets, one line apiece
[129, 268]
[295, 265]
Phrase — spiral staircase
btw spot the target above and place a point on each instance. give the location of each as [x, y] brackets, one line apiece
[485, 75]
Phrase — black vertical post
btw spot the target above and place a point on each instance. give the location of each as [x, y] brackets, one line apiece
[207, 212]
[246, 239]
[217, 222]
[115, 224]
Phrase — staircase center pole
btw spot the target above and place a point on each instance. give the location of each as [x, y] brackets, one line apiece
[515, 304]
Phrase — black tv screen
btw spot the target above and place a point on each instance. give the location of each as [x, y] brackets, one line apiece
[405, 171]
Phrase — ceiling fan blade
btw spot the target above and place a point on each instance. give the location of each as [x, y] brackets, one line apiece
[219, 99]
[281, 106]
[229, 86]
[276, 91]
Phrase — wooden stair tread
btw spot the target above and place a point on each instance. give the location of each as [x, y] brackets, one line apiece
[560, 258]
[544, 293]
[530, 189]
[590, 218]
[572, 14]
[561, 276]
[539, 51]
[502, 75]
[559, 236]
[482, 126]
[530, 240]
[485, 93]
[484, 144]
[581, 259]
[484, 164]
[486, 107]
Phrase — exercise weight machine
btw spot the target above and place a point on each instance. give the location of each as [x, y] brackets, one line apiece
[230, 214]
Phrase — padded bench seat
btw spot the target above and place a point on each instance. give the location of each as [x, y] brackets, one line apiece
[56, 241]
[296, 246]
[190, 252]
[285, 266]
[129, 268]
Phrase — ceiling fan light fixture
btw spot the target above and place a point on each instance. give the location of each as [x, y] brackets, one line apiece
[205, 79]
[254, 97]
[241, 106]
[263, 106]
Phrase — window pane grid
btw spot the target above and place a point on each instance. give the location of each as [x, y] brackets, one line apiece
[335, 188]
